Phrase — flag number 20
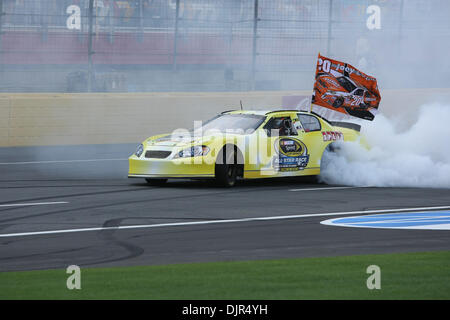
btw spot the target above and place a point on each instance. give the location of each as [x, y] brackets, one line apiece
[324, 65]
[357, 101]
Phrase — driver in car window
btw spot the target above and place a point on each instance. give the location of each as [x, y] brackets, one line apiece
[285, 127]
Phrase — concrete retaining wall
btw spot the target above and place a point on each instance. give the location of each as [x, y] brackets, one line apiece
[59, 119]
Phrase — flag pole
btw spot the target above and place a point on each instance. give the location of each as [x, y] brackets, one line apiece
[310, 105]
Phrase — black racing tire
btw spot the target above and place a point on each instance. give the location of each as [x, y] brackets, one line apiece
[363, 106]
[157, 182]
[226, 168]
[330, 150]
[338, 102]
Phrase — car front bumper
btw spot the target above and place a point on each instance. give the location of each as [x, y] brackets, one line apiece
[169, 168]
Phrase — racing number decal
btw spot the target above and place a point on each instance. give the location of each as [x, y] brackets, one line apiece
[324, 65]
[357, 100]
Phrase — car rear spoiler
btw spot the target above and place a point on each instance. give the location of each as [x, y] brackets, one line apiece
[347, 125]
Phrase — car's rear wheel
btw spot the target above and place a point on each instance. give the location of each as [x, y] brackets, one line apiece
[155, 181]
[328, 156]
[227, 167]
[363, 106]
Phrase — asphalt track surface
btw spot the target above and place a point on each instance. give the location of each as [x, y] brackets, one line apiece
[85, 189]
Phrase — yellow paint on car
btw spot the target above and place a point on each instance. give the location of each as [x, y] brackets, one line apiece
[258, 163]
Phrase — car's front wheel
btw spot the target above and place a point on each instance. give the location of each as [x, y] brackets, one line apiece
[338, 102]
[226, 170]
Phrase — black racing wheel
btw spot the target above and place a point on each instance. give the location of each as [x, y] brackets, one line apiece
[226, 169]
[338, 102]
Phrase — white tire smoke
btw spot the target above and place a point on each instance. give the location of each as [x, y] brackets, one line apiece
[416, 157]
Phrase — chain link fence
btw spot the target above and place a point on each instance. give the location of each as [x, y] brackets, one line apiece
[216, 45]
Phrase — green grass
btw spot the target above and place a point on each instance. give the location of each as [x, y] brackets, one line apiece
[403, 276]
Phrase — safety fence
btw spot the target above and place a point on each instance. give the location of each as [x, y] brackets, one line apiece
[207, 45]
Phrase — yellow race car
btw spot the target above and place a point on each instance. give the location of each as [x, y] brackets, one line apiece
[241, 145]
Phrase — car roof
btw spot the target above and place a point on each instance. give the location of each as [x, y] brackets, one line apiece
[264, 112]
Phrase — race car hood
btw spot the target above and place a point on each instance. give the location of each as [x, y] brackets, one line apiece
[167, 141]
[330, 83]
[174, 140]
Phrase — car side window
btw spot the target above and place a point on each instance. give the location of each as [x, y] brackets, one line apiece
[359, 92]
[309, 123]
[343, 81]
[283, 125]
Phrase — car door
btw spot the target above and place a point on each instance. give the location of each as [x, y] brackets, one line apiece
[286, 153]
[312, 137]
[357, 97]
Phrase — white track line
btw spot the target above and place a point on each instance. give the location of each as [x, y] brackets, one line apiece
[59, 161]
[31, 204]
[179, 224]
[327, 188]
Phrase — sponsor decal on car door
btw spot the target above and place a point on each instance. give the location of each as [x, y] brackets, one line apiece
[292, 155]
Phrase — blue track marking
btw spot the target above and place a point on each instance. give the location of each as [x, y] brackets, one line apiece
[435, 220]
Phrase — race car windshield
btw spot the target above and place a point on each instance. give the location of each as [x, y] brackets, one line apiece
[239, 123]
[343, 81]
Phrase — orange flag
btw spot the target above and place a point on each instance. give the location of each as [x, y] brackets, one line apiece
[343, 88]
